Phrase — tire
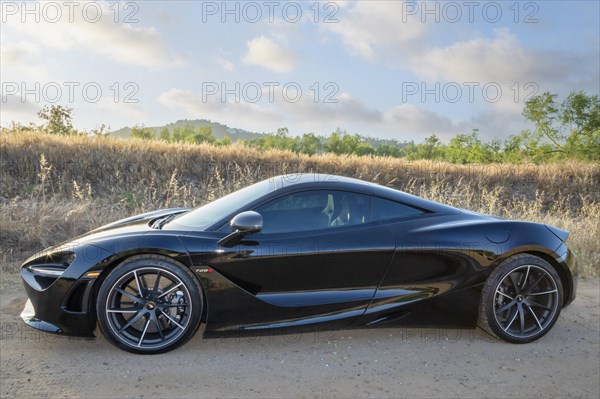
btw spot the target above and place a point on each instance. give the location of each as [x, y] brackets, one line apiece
[521, 299]
[149, 304]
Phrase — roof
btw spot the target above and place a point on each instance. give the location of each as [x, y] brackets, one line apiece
[291, 180]
[300, 178]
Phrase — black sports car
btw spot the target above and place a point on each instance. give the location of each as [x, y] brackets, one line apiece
[296, 250]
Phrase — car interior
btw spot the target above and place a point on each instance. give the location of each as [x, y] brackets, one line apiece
[314, 211]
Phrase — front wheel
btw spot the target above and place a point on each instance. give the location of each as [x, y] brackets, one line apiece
[149, 304]
[521, 300]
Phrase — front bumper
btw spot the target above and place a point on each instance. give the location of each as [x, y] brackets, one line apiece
[63, 307]
[60, 283]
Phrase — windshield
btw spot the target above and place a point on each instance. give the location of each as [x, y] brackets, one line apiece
[207, 215]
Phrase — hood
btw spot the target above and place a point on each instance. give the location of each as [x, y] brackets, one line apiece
[144, 216]
[131, 226]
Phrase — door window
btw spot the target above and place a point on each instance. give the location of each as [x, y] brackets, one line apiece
[314, 210]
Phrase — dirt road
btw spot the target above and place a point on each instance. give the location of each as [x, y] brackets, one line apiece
[391, 362]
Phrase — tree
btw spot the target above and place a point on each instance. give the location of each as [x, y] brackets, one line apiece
[543, 112]
[335, 143]
[309, 144]
[189, 134]
[340, 142]
[201, 135]
[142, 133]
[165, 134]
[572, 129]
[468, 148]
[279, 140]
[431, 149]
[387, 150]
[432, 146]
[58, 119]
[581, 113]
[225, 141]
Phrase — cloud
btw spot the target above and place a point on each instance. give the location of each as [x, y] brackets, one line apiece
[128, 110]
[224, 63]
[21, 59]
[14, 109]
[503, 61]
[236, 114]
[346, 110]
[410, 117]
[382, 33]
[407, 121]
[385, 32]
[264, 52]
[500, 59]
[368, 28]
[120, 42]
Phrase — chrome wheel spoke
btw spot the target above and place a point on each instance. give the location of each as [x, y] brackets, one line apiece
[535, 317]
[512, 320]
[506, 307]
[158, 326]
[132, 309]
[137, 282]
[521, 318]
[538, 305]
[144, 332]
[130, 296]
[536, 283]
[524, 282]
[542, 293]
[156, 282]
[171, 319]
[171, 289]
[514, 283]
[130, 322]
[507, 296]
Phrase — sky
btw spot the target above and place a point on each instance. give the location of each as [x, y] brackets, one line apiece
[388, 69]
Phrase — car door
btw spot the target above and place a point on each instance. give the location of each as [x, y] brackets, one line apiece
[319, 253]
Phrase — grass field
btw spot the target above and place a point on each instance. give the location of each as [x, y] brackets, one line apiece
[55, 187]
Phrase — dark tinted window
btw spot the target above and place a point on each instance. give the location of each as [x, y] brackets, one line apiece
[314, 210]
[385, 209]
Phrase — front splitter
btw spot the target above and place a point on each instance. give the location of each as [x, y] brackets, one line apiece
[28, 316]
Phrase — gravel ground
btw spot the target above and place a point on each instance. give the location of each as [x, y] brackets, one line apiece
[390, 362]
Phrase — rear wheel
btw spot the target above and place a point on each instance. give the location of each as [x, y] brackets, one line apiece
[149, 304]
[521, 300]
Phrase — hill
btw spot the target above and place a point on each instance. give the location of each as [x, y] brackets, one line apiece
[218, 130]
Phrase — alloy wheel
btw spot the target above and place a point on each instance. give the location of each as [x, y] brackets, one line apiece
[525, 301]
[148, 308]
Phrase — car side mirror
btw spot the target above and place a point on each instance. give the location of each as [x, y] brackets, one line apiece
[243, 224]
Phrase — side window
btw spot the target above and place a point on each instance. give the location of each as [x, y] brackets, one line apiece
[314, 210]
[384, 209]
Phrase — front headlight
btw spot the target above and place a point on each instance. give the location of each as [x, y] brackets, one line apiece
[47, 270]
[41, 271]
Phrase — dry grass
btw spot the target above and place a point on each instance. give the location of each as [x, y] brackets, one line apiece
[56, 187]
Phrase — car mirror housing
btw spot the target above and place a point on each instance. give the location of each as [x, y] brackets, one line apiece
[247, 222]
[243, 224]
